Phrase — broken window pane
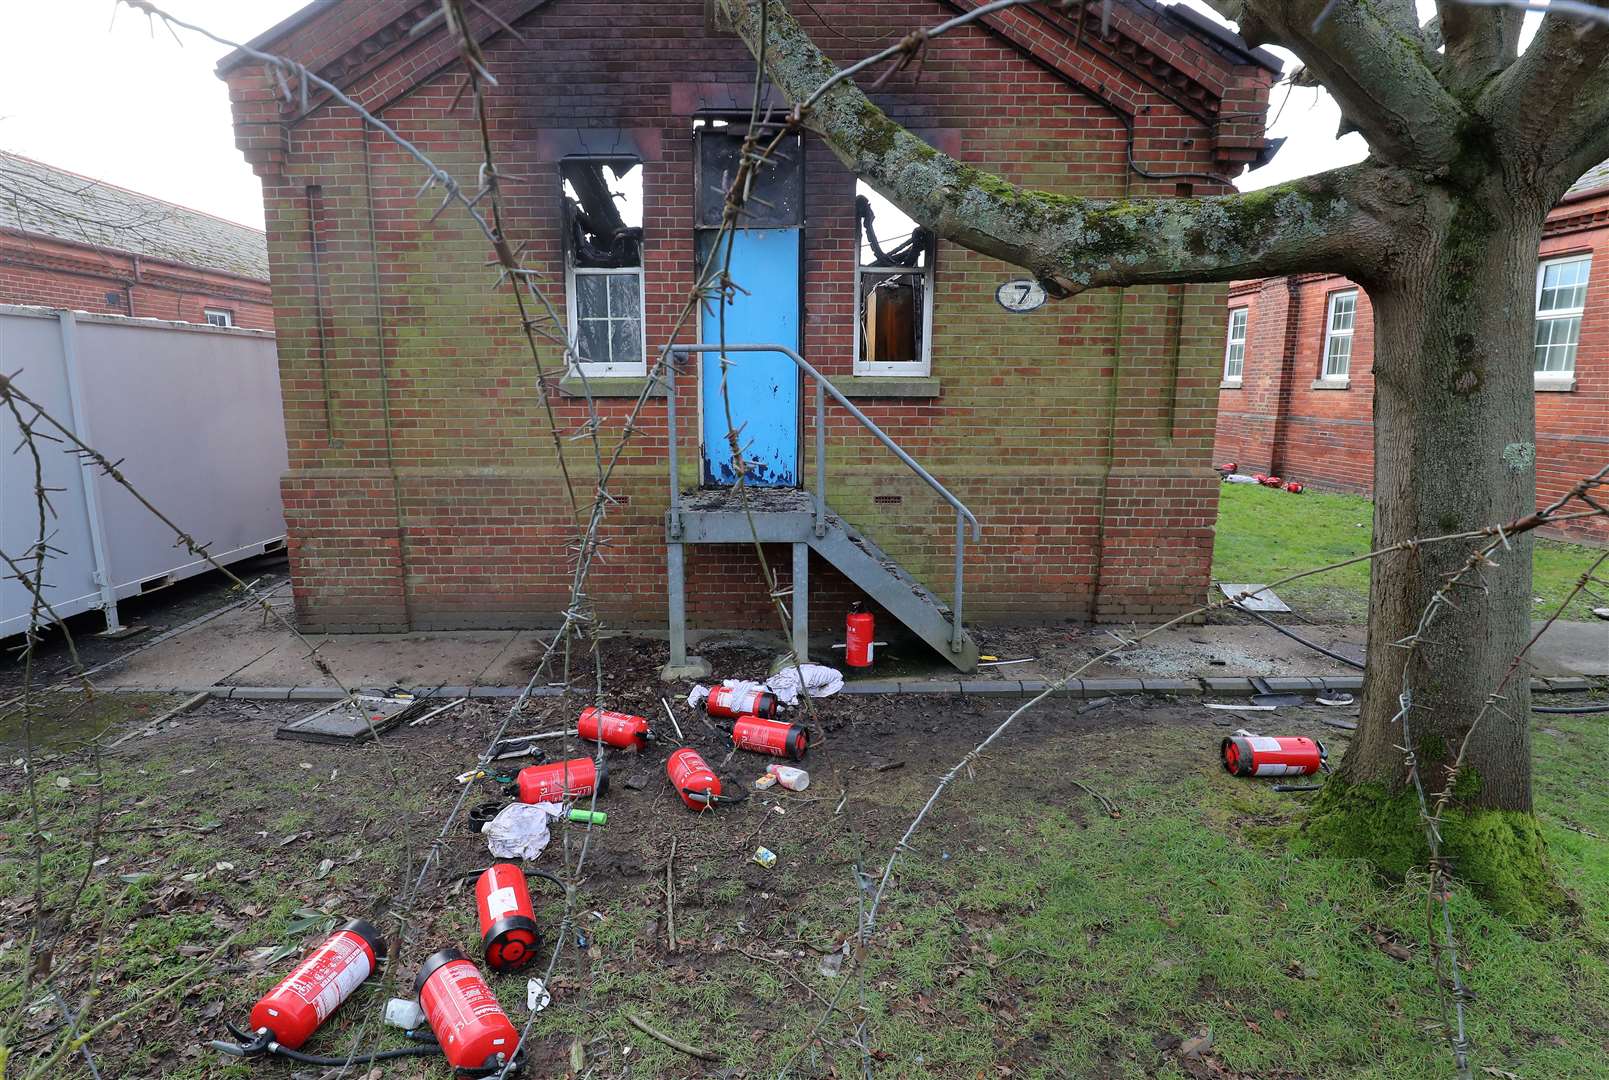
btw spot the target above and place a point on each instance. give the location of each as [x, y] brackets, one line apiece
[893, 279]
[603, 207]
[603, 216]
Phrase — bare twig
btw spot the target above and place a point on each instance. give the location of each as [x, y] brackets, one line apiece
[674, 1043]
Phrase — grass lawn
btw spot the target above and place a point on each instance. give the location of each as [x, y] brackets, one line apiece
[1028, 934]
[1264, 534]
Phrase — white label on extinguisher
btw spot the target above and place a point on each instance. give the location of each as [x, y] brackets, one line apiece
[1279, 770]
[344, 965]
[500, 902]
[1263, 743]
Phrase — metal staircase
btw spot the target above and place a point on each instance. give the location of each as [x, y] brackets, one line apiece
[803, 519]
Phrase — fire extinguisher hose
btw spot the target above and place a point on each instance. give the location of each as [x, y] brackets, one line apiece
[250, 1046]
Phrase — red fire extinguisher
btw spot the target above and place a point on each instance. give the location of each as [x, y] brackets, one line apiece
[724, 701]
[560, 780]
[508, 930]
[1262, 755]
[470, 1025]
[695, 781]
[860, 630]
[293, 1010]
[769, 737]
[620, 730]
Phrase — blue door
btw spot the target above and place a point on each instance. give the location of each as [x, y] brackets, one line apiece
[763, 388]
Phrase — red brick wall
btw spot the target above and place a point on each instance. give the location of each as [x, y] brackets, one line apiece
[423, 489]
[1278, 422]
[51, 273]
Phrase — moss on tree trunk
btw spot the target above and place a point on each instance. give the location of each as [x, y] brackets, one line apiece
[1498, 852]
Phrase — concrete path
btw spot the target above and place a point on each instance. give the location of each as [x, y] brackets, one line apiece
[239, 649]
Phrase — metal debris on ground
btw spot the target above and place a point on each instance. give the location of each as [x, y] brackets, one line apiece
[1335, 699]
[1260, 598]
[360, 717]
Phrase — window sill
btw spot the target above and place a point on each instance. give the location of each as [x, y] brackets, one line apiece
[1332, 384]
[1555, 384]
[608, 386]
[1230, 384]
[885, 386]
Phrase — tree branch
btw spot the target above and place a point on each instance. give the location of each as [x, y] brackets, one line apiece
[1373, 59]
[1316, 223]
[1554, 100]
[1479, 42]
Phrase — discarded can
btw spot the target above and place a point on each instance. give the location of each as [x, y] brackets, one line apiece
[305, 998]
[471, 1026]
[693, 779]
[589, 817]
[765, 857]
[789, 777]
[508, 930]
[860, 630]
[772, 737]
[724, 701]
[769, 780]
[1262, 755]
[561, 780]
[620, 730]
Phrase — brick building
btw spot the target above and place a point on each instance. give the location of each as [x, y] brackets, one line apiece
[1297, 394]
[422, 490]
[68, 241]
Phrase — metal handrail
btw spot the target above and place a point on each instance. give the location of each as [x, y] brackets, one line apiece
[824, 387]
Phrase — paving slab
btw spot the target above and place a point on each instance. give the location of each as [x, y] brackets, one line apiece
[238, 649]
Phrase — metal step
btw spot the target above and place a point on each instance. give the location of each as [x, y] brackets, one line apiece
[888, 583]
[787, 515]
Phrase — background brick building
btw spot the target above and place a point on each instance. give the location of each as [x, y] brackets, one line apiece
[68, 241]
[1300, 404]
[422, 490]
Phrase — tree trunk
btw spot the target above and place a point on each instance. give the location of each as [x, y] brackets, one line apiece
[1454, 422]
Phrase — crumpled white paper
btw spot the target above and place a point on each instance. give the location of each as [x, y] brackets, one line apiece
[520, 830]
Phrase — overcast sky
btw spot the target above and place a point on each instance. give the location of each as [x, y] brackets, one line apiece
[108, 98]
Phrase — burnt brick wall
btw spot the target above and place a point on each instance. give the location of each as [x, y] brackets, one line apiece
[422, 488]
[1277, 422]
[53, 273]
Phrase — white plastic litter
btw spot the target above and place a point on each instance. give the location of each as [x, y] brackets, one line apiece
[404, 1014]
[520, 830]
[1239, 478]
[819, 681]
[537, 997]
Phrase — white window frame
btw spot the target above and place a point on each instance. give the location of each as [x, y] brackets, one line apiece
[225, 314]
[607, 369]
[923, 365]
[1242, 315]
[1561, 378]
[1343, 377]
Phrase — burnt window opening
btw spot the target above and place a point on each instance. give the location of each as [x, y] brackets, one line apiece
[603, 263]
[776, 189]
[893, 289]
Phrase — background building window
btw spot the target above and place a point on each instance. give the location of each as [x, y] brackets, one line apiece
[1561, 296]
[603, 273]
[219, 317]
[1235, 350]
[893, 289]
[1343, 314]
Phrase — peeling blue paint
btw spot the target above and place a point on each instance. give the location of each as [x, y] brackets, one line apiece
[763, 387]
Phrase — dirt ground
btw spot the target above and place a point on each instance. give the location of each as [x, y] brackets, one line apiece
[232, 826]
[1027, 933]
